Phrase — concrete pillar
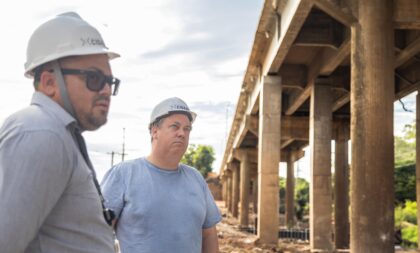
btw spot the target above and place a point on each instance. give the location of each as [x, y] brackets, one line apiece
[269, 159]
[290, 193]
[341, 193]
[235, 188]
[320, 188]
[245, 186]
[372, 107]
[223, 180]
[418, 162]
[255, 195]
[229, 192]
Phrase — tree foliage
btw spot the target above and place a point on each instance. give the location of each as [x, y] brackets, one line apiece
[405, 146]
[301, 196]
[405, 186]
[405, 165]
[200, 157]
[405, 183]
[406, 222]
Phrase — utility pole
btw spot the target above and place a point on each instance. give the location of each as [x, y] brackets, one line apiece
[113, 153]
[112, 158]
[123, 146]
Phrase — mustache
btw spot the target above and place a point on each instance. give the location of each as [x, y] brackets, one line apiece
[102, 98]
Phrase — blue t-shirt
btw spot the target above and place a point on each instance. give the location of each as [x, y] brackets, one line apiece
[159, 210]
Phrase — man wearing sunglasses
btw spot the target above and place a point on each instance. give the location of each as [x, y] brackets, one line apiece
[50, 200]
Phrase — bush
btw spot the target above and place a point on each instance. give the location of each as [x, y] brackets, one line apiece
[409, 235]
[410, 211]
[406, 220]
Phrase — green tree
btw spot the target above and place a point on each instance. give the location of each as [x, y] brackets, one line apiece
[282, 195]
[405, 146]
[405, 183]
[405, 168]
[200, 157]
[406, 222]
[301, 198]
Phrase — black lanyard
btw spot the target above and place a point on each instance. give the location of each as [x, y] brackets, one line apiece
[108, 214]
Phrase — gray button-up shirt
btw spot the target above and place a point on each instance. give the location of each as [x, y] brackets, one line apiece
[48, 202]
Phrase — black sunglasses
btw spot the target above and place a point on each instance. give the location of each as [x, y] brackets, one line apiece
[95, 79]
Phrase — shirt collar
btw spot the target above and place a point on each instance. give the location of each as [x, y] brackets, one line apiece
[53, 107]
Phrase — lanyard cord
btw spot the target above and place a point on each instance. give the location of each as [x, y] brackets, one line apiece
[82, 147]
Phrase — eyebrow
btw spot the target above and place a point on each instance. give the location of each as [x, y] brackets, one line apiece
[179, 123]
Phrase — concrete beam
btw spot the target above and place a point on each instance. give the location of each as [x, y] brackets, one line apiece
[407, 14]
[293, 76]
[332, 59]
[296, 128]
[343, 100]
[342, 15]
[254, 99]
[408, 52]
[250, 153]
[328, 63]
[293, 17]
[319, 30]
[403, 56]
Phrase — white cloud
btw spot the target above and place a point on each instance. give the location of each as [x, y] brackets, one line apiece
[203, 48]
[197, 50]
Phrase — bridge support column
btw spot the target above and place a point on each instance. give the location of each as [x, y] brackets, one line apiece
[255, 194]
[235, 188]
[341, 187]
[269, 159]
[372, 107]
[229, 191]
[320, 188]
[290, 193]
[245, 186]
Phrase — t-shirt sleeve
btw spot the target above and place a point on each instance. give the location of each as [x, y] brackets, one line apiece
[113, 188]
[34, 172]
[213, 215]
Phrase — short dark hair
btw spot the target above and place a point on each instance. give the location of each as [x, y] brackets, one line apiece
[157, 123]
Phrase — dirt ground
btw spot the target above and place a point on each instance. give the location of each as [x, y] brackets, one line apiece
[232, 240]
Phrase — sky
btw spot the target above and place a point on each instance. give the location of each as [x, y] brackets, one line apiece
[195, 50]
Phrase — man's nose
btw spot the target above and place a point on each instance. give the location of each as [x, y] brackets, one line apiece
[106, 90]
[181, 132]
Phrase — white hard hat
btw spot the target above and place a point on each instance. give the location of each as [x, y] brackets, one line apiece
[65, 35]
[170, 106]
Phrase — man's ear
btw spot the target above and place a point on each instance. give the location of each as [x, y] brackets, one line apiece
[154, 132]
[48, 85]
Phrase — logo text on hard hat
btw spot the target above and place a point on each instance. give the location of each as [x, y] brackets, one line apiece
[179, 107]
[92, 42]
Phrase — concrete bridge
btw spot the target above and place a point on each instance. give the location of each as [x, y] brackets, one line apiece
[323, 70]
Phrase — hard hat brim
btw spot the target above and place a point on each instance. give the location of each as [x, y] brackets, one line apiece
[77, 52]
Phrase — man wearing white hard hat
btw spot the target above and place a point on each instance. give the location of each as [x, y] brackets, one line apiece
[50, 200]
[161, 205]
